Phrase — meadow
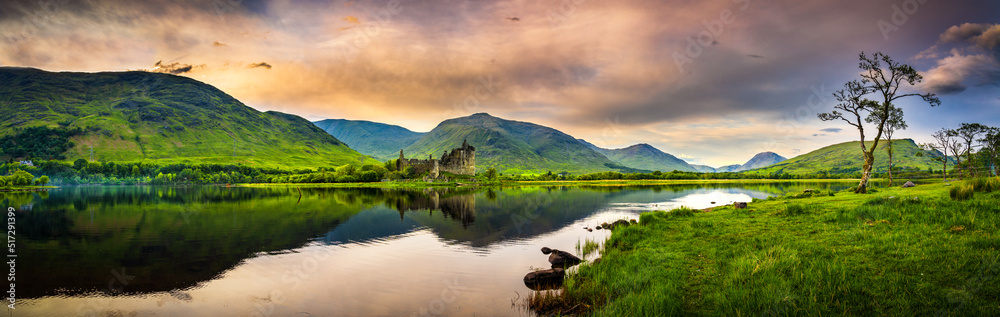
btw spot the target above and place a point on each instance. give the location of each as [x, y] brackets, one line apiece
[930, 249]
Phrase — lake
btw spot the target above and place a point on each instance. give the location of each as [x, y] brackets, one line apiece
[210, 250]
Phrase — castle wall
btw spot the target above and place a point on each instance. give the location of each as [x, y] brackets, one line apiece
[460, 161]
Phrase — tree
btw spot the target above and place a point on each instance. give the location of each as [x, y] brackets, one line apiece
[879, 81]
[955, 147]
[41, 181]
[943, 139]
[893, 123]
[991, 146]
[969, 132]
[491, 174]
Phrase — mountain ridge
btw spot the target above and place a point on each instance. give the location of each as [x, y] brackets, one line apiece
[379, 140]
[153, 117]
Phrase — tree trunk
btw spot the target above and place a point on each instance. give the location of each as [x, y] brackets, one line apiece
[890, 162]
[866, 173]
[944, 171]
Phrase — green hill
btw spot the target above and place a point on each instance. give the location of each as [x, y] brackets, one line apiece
[153, 117]
[379, 140]
[846, 158]
[644, 156]
[510, 146]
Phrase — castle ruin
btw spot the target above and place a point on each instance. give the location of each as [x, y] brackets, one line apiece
[460, 161]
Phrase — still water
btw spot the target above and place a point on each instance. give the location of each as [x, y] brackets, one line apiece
[191, 251]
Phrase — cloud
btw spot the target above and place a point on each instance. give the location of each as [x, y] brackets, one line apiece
[955, 73]
[963, 32]
[832, 130]
[217, 43]
[755, 56]
[974, 61]
[261, 64]
[173, 68]
[514, 19]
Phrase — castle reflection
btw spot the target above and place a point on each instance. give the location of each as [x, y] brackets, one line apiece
[459, 206]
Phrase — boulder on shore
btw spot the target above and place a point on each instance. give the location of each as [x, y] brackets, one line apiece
[545, 279]
[909, 184]
[740, 205]
[621, 222]
[561, 259]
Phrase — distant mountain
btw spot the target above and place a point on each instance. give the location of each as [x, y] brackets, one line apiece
[704, 168]
[846, 158]
[154, 117]
[379, 140]
[763, 159]
[511, 146]
[643, 156]
[727, 168]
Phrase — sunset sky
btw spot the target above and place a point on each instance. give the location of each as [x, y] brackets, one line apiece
[712, 82]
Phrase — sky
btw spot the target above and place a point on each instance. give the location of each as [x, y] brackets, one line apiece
[712, 82]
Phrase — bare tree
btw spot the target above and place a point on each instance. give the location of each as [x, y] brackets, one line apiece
[970, 132]
[880, 81]
[943, 139]
[955, 147]
[892, 124]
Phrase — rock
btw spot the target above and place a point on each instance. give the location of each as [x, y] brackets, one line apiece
[740, 205]
[545, 279]
[615, 224]
[713, 203]
[808, 190]
[590, 230]
[561, 259]
[909, 184]
[598, 227]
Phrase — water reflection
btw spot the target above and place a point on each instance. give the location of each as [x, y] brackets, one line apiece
[138, 248]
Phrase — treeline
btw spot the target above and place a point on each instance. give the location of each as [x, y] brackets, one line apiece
[111, 173]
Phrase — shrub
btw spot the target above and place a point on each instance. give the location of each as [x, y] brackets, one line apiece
[984, 184]
[962, 192]
[794, 210]
[681, 212]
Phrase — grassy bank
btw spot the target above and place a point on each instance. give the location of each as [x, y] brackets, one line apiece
[900, 251]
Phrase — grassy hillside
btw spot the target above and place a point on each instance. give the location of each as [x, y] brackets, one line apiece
[141, 116]
[647, 157]
[847, 158]
[379, 140]
[763, 159]
[510, 146]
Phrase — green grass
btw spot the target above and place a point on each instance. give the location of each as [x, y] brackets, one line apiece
[912, 251]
